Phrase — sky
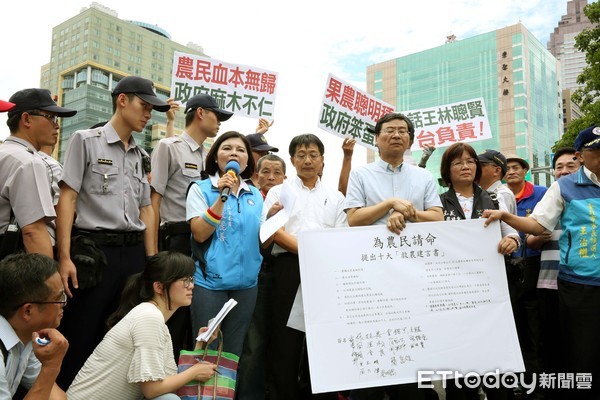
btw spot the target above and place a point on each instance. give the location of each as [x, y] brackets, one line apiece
[302, 41]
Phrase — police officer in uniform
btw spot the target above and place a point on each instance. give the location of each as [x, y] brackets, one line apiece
[176, 162]
[54, 169]
[105, 199]
[25, 197]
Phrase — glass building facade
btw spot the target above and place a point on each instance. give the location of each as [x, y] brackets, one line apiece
[509, 68]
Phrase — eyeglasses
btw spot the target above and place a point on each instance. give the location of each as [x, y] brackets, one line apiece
[400, 129]
[470, 162]
[63, 301]
[312, 156]
[51, 118]
[187, 281]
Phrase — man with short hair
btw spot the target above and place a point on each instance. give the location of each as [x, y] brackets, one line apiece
[260, 146]
[574, 201]
[271, 172]
[178, 161]
[493, 169]
[391, 192]
[252, 372]
[526, 193]
[32, 299]
[54, 169]
[105, 186]
[565, 162]
[315, 207]
[25, 192]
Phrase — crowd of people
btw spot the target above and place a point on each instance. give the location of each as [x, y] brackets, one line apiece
[146, 248]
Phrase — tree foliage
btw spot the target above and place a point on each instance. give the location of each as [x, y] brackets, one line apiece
[588, 95]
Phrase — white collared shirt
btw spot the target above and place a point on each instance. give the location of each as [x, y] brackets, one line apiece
[317, 208]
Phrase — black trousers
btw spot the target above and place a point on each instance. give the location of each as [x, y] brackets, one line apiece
[467, 393]
[395, 392]
[287, 358]
[252, 369]
[580, 322]
[524, 299]
[553, 344]
[84, 319]
[285, 351]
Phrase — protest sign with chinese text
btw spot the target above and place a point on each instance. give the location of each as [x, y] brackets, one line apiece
[378, 306]
[348, 112]
[245, 91]
[441, 126]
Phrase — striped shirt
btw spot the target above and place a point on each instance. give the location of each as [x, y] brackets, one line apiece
[137, 349]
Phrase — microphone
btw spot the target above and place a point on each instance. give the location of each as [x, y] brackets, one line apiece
[232, 168]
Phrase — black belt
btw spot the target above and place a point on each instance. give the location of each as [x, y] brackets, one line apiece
[113, 238]
[176, 228]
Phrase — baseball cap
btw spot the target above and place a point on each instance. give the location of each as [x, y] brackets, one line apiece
[37, 99]
[514, 157]
[493, 156]
[588, 138]
[258, 142]
[5, 106]
[208, 102]
[142, 88]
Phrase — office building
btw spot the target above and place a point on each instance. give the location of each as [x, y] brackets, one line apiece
[91, 52]
[572, 61]
[509, 68]
[562, 43]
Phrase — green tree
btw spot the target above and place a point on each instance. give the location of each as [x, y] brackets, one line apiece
[588, 95]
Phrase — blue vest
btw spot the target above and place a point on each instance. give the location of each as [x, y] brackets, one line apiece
[230, 259]
[579, 253]
[524, 207]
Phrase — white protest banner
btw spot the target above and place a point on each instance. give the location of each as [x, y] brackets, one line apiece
[441, 126]
[348, 112]
[379, 307]
[245, 91]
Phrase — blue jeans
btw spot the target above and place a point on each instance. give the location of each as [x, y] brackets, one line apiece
[207, 303]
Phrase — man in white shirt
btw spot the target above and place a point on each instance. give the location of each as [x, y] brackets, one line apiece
[32, 299]
[493, 169]
[315, 207]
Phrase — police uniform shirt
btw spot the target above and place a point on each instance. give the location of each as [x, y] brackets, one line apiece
[55, 170]
[176, 162]
[111, 183]
[24, 185]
